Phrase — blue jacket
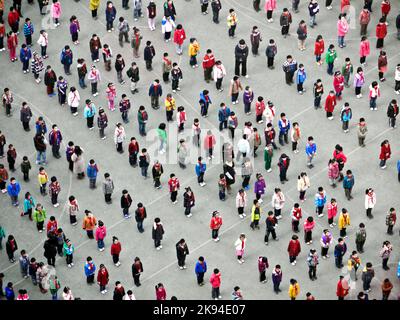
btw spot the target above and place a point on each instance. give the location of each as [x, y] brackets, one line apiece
[66, 58]
[152, 92]
[301, 76]
[200, 167]
[89, 112]
[28, 29]
[25, 55]
[346, 115]
[202, 268]
[340, 250]
[318, 201]
[91, 171]
[311, 149]
[14, 190]
[398, 270]
[398, 165]
[203, 100]
[111, 14]
[224, 114]
[90, 272]
[10, 295]
[28, 205]
[283, 129]
[348, 182]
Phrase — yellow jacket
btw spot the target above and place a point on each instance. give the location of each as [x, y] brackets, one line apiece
[170, 105]
[194, 49]
[343, 221]
[254, 216]
[294, 290]
[43, 178]
[232, 20]
[94, 4]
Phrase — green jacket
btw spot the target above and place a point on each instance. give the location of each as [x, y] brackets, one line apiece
[55, 285]
[39, 216]
[162, 134]
[2, 232]
[330, 56]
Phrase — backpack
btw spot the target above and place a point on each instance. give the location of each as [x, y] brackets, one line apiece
[129, 73]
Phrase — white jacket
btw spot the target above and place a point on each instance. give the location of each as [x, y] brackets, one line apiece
[370, 201]
[238, 244]
[73, 99]
[303, 183]
[43, 40]
[167, 25]
[241, 202]
[219, 72]
[244, 146]
[278, 201]
[119, 135]
[397, 75]
[269, 114]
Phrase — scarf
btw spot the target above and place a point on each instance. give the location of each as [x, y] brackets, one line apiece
[297, 130]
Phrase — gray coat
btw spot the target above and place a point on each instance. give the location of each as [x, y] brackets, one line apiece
[25, 114]
[79, 163]
[182, 154]
[108, 186]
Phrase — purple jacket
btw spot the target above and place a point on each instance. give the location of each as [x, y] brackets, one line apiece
[73, 28]
[259, 187]
[247, 97]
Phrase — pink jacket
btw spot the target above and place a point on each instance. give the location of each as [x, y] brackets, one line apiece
[364, 48]
[100, 233]
[332, 211]
[215, 280]
[56, 10]
[270, 5]
[308, 226]
[342, 27]
[333, 170]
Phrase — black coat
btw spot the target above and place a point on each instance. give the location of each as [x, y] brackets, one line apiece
[181, 252]
[229, 174]
[157, 233]
[135, 269]
[241, 54]
[50, 78]
[119, 65]
[25, 114]
[50, 250]
[188, 200]
[391, 112]
[8, 247]
[39, 143]
[149, 53]
[126, 202]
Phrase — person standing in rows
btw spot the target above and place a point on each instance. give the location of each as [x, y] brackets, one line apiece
[25, 55]
[283, 164]
[137, 270]
[285, 21]
[92, 171]
[367, 275]
[126, 202]
[339, 252]
[140, 215]
[387, 287]
[133, 74]
[294, 289]
[157, 233]
[111, 14]
[294, 249]
[296, 216]
[312, 261]
[119, 67]
[123, 28]
[94, 78]
[302, 35]
[148, 54]
[326, 241]
[241, 54]
[232, 23]
[89, 223]
[107, 55]
[392, 113]
[73, 210]
[102, 278]
[385, 252]
[354, 263]
[182, 251]
[289, 67]
[342, 288]
[348, 184]
[391, 220]
[90, 269]
[102, 123]
[271, 223]
[384, 154]
[308, 226]
[115, 251]
[11, 157]
[240, 245]
[100, 234]
[380, 32]
[361, 236]
[364, 19]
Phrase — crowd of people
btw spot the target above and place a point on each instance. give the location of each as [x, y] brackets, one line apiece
[238, 152]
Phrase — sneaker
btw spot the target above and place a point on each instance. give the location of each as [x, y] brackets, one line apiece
[181, 268]
[56, 205]
[184, 267]
[334, 224]
[189, 215]
[239, 261]
[320, 215]
[241, 216]
[216, 239]
[293, 263]
[266, 243]
[242, 260]
[69, 266]
[40, 231]
[244, 214]
[158, 248]
[331, 225]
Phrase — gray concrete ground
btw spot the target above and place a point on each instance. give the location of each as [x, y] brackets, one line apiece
[161, 266]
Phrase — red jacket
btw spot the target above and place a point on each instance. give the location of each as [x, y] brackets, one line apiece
[338, 83]
[13, 18]
[381, 30]
[216, 223]
[330, 103]
[294, 248]
[116, 248]
[340, 157]
[102, 278]
[260, 107]
[173, 184]
[385, 152]
[319, 47]
[209, 142]
[343, 4]
[208, 61]
[179, 36]
[161, 294]
[340, 291]
[385, 8]
[52, 226]
[215, 280]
